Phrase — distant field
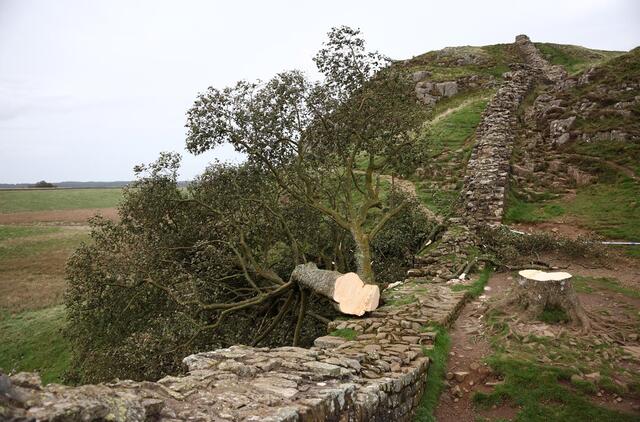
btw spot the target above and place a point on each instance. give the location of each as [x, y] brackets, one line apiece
[39, 230]
[32, 264]
[13, 201]
[32, 283]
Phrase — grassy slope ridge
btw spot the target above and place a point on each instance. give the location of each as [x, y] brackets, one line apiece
[574, 58]
[58, 199]
[448, 145]
[31, 341]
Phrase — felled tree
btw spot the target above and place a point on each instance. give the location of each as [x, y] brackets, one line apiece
[324, 143]
[251, 253]
[196, 269]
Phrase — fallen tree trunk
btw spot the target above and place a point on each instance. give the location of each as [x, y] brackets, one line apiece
[534, 291]
[348, 291]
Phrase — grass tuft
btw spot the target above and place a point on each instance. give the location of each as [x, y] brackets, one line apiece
[554, 316]
[435, 376]
[538, 392]
[476, 288]
[346, 333]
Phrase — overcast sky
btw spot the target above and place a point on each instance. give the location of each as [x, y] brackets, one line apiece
[88, 89]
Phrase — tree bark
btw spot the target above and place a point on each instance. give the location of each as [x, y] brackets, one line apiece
[348, 291]
[534, 291]
[363, 256]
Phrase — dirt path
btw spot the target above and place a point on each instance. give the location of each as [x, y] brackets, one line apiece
[466, 372]
[57, 216]
[448, 111]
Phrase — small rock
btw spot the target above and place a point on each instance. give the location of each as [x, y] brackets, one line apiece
[493, 383]
[594, 376]
[449, 375]
[328, 342]
[460, 375]
[576, 378]
[322, 368]
[457, 391]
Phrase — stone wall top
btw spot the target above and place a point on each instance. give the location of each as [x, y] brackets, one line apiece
[379, 376]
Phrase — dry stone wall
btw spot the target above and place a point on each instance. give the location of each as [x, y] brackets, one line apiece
[487, 173]
[378, 376]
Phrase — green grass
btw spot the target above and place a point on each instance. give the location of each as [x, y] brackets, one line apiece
[574, 58]
[520, 211]
[453, 130]
[31, 246]
[31, 341]
[446, 145]
[58, 199]
[610, 208]
[624, 153]
[476, 288]
[554, 316]
[538, 392]
[439, 201]
[13, 232]
[346, 333]
[589, 284]
[435, 376]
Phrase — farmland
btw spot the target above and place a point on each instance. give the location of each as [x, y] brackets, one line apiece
[39, 230]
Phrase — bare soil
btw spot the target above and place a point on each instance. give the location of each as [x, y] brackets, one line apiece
[30, 283]
[470, 342]
[34, 278]
[560, 228]
[57, 217]
[469, 347]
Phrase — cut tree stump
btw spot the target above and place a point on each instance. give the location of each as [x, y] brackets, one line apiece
[348, 291]
[534, 291]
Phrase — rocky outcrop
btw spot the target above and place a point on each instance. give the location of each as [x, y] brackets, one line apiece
[569, 118]
[430, 92]
[378, 376]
